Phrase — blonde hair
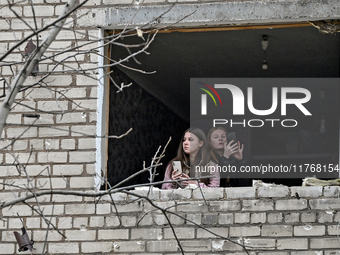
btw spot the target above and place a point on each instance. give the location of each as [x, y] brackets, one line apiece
[213, 151]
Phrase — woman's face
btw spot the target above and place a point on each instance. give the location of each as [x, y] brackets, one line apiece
[191, 143]
[217, 139]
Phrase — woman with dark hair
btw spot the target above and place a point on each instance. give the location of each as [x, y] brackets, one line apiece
[226, 153]
[194, 157]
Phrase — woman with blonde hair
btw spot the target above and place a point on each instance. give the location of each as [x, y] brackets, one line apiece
[226, 153]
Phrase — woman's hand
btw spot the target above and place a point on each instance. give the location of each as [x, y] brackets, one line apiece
[175, 176]
[186, 183]
[239, 153]
[230, 149]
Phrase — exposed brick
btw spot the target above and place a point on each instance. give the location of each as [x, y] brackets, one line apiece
[203, 233]
[129, 221]
[307, 191]
[81, 130]
[117, 197]
[333, 230]
[309, 230]
[291, 217]
[324, 217]
[73, 93]
[7, 236]
[196, 246]
[4, 26]
[331, 191]
[89, 104]
[97, 222]
[94, 247]
[20, 145]
[32, 223]
[242, 217]
[80, 223]
[193, 218]
[175, 194]
[67, 170]
[316, 252]
[79, 208]
[331, 252]
[68, 144]
[81, 182]
[245, 231]
[131, 207]
[20, 157]
[51, 132]
[86, 143]
[258, 218]
[64, 223]
[162, 246]
[6, 248]
[112, 221]
[147, 220]
[82, 156]
[72, 117]
[324, 204]
[53, 105]
[221, 206]
[292, 244]
[42, 10]
[258, 205]
[324, 243]
[113, 234]
[51, 209]
[308, 217]
[152, 194]
[232, 246]
[22, 210]
[55, 183]
[277, 230]
[103, 208]
[26, 106]
[182, 233]
[77, 235]
[263, 244]
[192, 207]
[70, 35]
[273, 191]
[244, 192]
[226, 219]
[118, 2]
[209, 194]
[83, 80]
[41, 234]
[51, 220]
[68, 199]
[14, 223]
[177, 220]
[264, 253]
[160, 220]
[23, 132]
[63, 247]
[291, 204]
[128, 246]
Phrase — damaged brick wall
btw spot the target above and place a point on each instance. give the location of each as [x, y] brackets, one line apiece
[268, 220]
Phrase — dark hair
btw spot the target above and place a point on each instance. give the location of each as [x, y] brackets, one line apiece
[214, 155]
[203, 155]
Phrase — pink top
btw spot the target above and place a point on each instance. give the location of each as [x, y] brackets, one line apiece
[214, 182]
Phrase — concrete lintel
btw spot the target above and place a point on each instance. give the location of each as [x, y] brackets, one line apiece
[210, 14]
